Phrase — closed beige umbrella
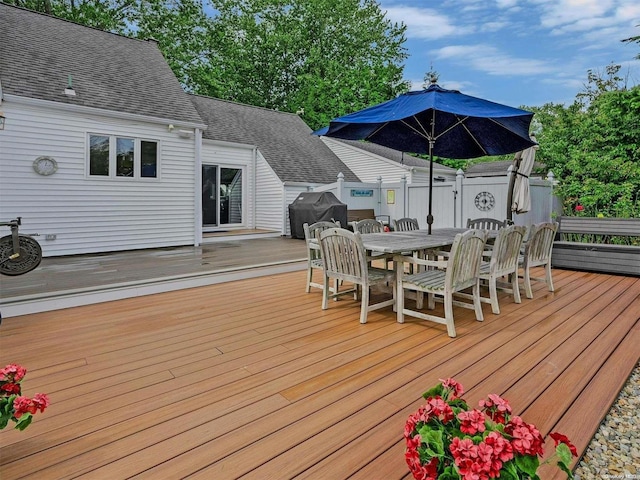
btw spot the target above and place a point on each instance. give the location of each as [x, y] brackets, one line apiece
[521, 194]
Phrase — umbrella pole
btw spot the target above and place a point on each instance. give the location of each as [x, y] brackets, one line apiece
[430, 215]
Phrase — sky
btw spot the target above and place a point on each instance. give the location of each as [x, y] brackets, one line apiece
[517, 52]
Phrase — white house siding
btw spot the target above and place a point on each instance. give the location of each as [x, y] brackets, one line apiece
[367, 166]
[235, 156]
[89, 215]
[269, 197]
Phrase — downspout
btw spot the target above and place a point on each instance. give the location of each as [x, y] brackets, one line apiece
[254, 204]
[197, 200]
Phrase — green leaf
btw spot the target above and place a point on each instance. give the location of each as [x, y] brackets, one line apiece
[436, 391]
[434, 439]
[528, 464]
[24, 421]
[449, 473]
[509, 471]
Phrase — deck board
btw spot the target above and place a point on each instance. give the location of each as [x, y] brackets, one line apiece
[252, 379]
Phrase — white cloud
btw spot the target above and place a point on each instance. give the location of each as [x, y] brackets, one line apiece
[423, 22]
[488, 59]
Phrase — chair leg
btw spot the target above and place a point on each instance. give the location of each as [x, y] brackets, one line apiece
[448, 315]
[325, 292]
[364, 307]
[476, 302]
[309, 277]
[549, 278]
[493, 295]
[515, 286]
[431, 301]
[527, 282]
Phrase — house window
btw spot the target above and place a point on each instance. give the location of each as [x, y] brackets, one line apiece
[122, 157]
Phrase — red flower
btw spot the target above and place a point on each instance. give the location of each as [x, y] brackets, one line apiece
[11, 388]
[439, 409]
[496, 408]
[502, 449]
[455, 389]
[22, 405]
[560, 438]
[40, 401]
[579, 208]
[526, 437]
[471, 422]
[13, 373]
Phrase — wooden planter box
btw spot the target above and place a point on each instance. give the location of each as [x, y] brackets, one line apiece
[597, 257]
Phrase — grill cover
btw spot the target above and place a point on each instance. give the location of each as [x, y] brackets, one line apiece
[312, 207]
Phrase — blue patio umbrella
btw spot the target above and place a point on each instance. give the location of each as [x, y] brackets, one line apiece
[438, 122]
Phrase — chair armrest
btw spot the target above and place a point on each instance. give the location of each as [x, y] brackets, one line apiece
[420, 261]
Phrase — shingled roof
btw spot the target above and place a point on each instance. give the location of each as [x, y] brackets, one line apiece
[108, 71]
[285, 141]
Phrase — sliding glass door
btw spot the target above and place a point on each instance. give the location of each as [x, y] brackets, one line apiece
[222, 195]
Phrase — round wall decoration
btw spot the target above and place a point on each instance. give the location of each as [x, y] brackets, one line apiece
[485, 201]
[45, 165]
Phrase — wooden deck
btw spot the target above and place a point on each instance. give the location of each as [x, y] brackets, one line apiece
[252, 379]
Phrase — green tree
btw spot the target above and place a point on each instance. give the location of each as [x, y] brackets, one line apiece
[594, 150]
[185, 36]
[321, 57]
[108, 15]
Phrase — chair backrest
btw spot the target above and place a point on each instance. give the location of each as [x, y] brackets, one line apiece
[486, 223]
[310, 236]
[368, 226]
[343, 255]
[406, 224]
[463, 266]
[506, 250]
[537, 249]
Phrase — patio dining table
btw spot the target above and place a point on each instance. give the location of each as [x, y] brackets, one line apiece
[410, 241]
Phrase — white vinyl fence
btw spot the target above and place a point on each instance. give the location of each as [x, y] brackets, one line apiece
[453, 202]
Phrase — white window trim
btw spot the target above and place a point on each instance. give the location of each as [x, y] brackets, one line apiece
[137, 158]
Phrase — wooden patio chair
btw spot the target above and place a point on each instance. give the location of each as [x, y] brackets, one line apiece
[368, 226]
[406, 224]
[372, 226]
[486, 223]
[502, 262]
[345, 259]
[445, 278]
[314, 261]
[537, 253]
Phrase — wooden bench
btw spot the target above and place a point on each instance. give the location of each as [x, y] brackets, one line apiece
[608, 245]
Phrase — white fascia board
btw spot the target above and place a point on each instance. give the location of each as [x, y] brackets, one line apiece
[80, 109]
